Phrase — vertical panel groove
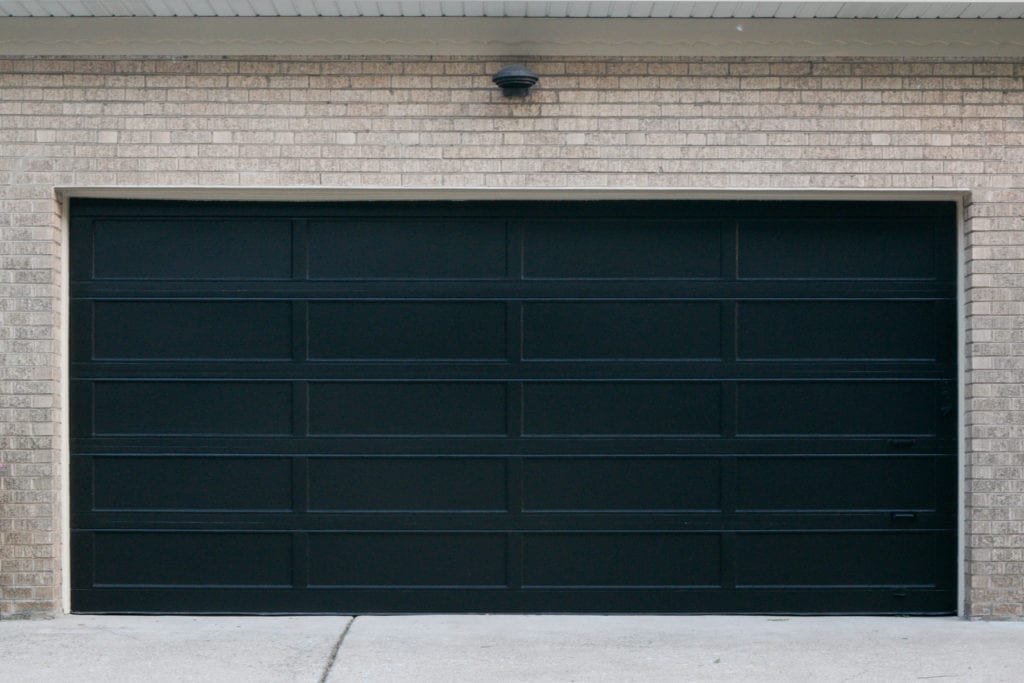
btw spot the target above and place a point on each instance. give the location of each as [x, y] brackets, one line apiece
[300, 331]
[514, 250]
[300, 560]
[300, 249]
[300, 409]
[300, 484]
[727, 575]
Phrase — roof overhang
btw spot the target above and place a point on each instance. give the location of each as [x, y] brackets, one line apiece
[581, 9]
[514, 37]
[522, 28]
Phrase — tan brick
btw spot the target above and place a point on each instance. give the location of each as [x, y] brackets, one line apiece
[711, 123]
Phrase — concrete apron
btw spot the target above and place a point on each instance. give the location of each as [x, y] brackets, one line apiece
[509, 648]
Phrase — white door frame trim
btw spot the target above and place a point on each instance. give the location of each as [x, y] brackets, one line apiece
[311, 194]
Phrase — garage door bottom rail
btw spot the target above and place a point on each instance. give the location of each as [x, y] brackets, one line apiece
[874, 601]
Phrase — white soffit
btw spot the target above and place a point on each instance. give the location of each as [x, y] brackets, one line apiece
[500, 28]
[614, 9]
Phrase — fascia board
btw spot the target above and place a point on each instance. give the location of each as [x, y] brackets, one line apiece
[501, 37]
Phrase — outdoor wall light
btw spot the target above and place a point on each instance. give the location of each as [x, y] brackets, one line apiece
[515, 80]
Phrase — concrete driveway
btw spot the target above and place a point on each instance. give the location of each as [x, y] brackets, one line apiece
[509, 648]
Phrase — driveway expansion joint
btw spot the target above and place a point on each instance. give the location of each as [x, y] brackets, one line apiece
[334, 651]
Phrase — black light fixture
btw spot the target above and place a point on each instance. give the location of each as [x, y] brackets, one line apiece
[515, 80]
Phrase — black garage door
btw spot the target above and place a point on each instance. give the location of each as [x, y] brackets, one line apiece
[513, 406]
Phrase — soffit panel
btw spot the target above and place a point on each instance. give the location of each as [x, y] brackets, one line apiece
[1000, 9]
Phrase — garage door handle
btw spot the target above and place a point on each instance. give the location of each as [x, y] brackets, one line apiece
[904, 517]
[901, 443]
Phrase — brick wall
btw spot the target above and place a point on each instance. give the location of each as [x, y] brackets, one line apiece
[615, 123]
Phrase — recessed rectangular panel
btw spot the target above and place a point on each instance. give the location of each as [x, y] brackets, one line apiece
[191, 483]
[186, 558]
[191, 330]
[611, 330]
[622, 248]
[836, 483]
[620, 560]
[620, 483]
[836, 408]
[404, 247]
[393, 560]
[837, 330]
[213, 248]
[809, 558]
[407, 408]
[420, 330]
[407, 484]
[836, 248]
[621, 408]
[199, 408]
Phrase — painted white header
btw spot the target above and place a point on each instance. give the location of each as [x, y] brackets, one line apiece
[866, 9]
[522, 39]
[321, 193]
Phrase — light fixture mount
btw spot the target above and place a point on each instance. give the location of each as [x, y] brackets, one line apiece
[515, 80]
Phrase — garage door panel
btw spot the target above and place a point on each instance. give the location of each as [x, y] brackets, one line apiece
[629, 483]
[188, 330]
[841, 559]
[849, 330]
[513, 406]
[833, 248]
[200, 249]
[391, 560]
[837, 408]
[840, 483]
[191, 483]
[616, 330]
[407, 408]
[408, 484]
[423, 330]
[410, 248]
[184, 558]
[622, 248]
[594, 560]
[191, 408]
[621, 408]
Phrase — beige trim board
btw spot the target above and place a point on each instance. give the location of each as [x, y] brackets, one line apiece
[328, 194]
[523, 37]
[65, 413]
[306, 194]
[962, 313]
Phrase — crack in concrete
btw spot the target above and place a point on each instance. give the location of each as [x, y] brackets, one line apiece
[335, 650]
